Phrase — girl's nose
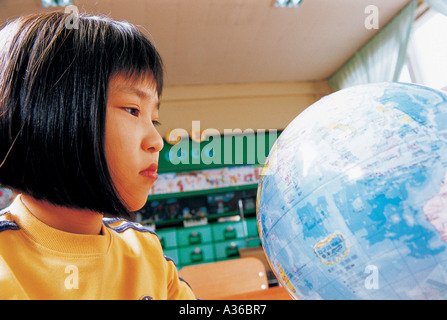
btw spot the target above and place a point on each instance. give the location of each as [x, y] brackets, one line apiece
[152, 141]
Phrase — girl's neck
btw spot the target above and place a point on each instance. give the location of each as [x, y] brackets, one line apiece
[64, 219]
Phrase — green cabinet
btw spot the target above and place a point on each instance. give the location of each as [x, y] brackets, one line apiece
[208, 243]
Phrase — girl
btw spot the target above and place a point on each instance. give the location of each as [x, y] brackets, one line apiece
[78, 140]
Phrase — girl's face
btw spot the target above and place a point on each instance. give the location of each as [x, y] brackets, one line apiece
[132, 143]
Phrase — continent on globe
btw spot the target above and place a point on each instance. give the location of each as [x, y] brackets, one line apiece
[332, 249]
[435, 209]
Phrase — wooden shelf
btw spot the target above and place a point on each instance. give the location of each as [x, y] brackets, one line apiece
[196, 193]
[211, 218]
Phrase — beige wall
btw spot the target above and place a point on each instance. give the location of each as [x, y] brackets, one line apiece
[243, 106]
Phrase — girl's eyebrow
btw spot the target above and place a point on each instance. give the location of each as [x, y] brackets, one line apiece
[132, 90]
[143, 95]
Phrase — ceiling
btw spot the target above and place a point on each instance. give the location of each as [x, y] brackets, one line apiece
[241, 41]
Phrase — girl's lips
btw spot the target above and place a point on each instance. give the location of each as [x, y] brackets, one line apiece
[150, 172]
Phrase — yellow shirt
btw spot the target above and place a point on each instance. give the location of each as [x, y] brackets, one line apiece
[125, 262]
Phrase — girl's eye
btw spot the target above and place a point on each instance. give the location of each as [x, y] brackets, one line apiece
[156, 123]
[133, 111]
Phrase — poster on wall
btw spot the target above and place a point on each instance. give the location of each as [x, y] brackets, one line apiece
[206, 179]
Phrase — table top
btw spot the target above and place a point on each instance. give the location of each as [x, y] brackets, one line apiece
[272, 293]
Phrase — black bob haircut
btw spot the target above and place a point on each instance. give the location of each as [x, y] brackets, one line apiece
[53, 97]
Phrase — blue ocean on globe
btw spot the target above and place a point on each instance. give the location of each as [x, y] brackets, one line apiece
[352, 200]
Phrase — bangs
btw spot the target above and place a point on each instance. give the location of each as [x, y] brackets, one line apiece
[137, 59]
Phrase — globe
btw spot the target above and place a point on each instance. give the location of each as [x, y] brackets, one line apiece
[352, 199]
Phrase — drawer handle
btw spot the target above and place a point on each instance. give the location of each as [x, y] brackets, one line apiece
[196, 255]
[232, 250]
[195, 238]
[230, 233]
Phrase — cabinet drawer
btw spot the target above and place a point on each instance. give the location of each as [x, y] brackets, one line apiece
[254, 242]
[196, 254]
[228, 249]
[194, 236]
[229, 230]
[168, 238]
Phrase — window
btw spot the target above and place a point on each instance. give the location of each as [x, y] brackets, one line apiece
[427, 56]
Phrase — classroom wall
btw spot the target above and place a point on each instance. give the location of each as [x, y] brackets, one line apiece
[244, 106]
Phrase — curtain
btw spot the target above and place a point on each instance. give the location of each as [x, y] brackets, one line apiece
[438, 5]
[382, 58]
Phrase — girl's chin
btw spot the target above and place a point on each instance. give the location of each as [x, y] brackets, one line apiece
[135, 204]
